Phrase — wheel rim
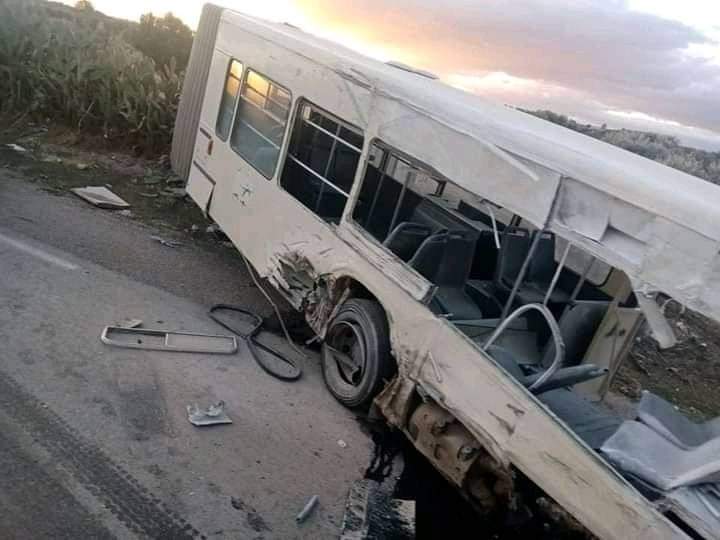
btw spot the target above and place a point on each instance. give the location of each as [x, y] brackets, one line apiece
[347, 347]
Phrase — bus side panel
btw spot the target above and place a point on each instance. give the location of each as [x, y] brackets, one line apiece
[193, 92]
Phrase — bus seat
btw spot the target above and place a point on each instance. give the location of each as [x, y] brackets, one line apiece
[577, 329]
[591, 423]
[405, 239]
[640, 450]
[445, 260]
[662, 417]
[540, 273]
[486, 256]
[452, 275]
[426, 260]
[514, 248]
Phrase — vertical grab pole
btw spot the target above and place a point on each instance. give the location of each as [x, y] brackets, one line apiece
[558, 271]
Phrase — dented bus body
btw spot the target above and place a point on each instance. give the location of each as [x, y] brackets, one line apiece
[476, 274]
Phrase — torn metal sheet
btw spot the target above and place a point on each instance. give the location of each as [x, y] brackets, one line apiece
[101, 197]
[162, 340]
[213, 415]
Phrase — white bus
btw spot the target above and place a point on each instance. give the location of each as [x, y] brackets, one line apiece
[475, 274]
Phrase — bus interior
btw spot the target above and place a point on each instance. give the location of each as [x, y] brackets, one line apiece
[529, 299]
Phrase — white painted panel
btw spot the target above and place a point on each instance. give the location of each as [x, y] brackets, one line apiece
[200, 188]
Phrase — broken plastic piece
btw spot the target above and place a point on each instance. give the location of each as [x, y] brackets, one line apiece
[307, 509]
[213, 415]
[100, 196]
[162, 340]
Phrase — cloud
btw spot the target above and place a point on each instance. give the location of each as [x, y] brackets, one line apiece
[595, 51]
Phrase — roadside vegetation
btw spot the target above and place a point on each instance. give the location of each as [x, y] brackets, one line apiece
[101, 76]
[662, 148]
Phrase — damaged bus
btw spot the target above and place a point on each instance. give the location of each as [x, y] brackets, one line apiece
[475, 274]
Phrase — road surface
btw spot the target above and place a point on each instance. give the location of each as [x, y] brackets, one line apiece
[95, 441]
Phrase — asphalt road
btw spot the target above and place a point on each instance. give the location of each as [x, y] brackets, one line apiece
[95, 441]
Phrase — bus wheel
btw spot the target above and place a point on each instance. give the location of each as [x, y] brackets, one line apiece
[356, 358]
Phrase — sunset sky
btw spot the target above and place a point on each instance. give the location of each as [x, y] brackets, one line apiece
[645, 64]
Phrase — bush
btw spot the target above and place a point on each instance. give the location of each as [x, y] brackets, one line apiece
[80, 71]
[663, 148]
[162, 39]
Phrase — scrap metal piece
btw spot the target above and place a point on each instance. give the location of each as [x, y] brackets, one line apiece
[162, 340]
[167, 243]
[307, 509]
[101, 197]
[213, 415]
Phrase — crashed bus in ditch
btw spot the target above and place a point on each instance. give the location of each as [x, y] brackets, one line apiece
[475, 274]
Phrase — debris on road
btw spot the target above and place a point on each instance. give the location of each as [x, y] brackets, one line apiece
[130, 323]
[307, 509]
[167, 243]
[100, 196]
[82, 166]
[174, 192]
[342, 444]
[247, 325]
[16, 148]
[213, 415]
[162, 340]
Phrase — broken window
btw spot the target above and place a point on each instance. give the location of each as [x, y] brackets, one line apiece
[259, 128]
[228, 100]
[392, 189]
[322, 160]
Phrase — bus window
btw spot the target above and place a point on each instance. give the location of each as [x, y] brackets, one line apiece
[392, 189]
[260, 122]
[229, 99]
[321, 163]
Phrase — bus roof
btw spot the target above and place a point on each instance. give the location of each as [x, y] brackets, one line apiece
[659, 191]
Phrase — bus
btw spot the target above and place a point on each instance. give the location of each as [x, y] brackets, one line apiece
[475, 275]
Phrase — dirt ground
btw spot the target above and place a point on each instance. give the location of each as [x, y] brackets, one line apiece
[687, 374]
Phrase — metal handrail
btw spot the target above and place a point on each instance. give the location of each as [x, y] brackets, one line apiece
[554, 329]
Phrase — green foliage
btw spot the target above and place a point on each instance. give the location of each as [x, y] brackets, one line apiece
[76, 71]
[162, 39]
[663, 148]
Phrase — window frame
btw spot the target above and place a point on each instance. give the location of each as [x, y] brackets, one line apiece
[409, 160]
[296, 117]
[271, 82]
[228, 74]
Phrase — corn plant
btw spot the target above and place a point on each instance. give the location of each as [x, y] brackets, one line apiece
[77, 69]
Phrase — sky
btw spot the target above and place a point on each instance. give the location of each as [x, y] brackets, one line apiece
[641, 64]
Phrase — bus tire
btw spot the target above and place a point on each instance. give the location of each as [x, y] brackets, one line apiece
[358, 334]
